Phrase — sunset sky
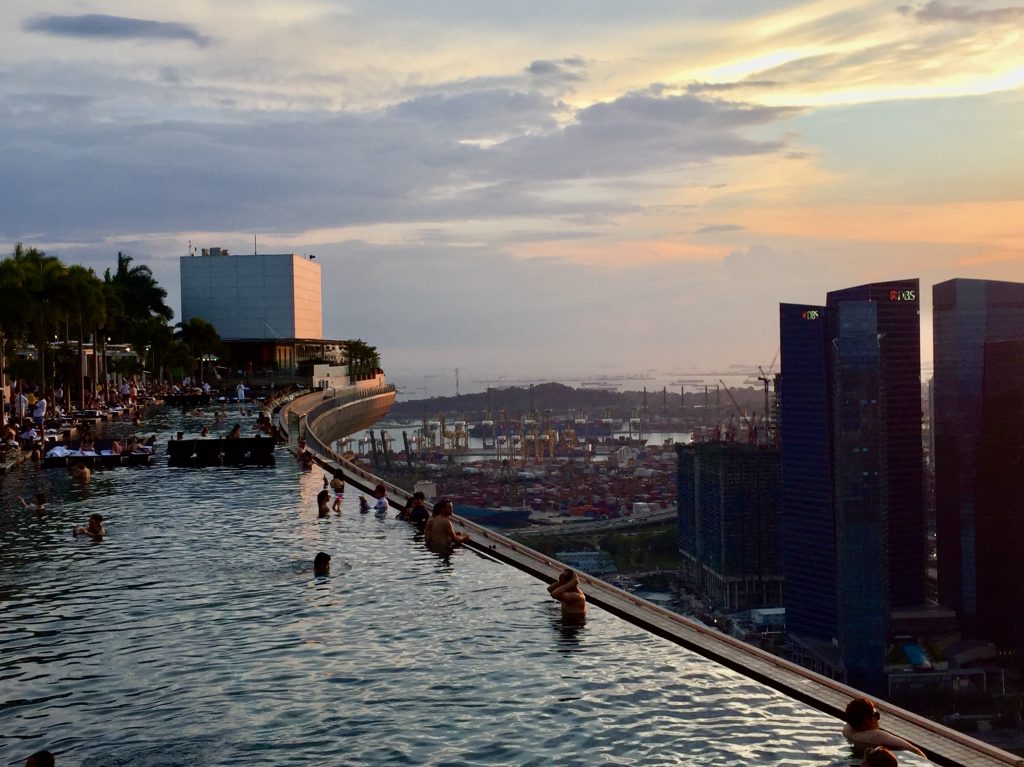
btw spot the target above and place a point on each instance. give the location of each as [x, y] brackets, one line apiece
[536, 185]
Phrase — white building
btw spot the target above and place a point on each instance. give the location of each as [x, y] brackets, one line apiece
[253, 297]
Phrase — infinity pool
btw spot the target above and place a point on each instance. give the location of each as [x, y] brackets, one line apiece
[195, 634]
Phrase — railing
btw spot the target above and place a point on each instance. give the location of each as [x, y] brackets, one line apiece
[943, 745]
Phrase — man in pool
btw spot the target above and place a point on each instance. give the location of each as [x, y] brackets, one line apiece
[567, 591]
[381, 506]
[93, 529]
[40, 759]
[338, 486]
[322, 564]
[440, 533]
[862, 728]
[879, 756]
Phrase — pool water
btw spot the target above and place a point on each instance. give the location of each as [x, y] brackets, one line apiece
[195, 633]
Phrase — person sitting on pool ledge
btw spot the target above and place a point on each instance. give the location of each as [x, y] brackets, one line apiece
[879, 756]
[862, 728]
[93, 529]
[440, 532]
[40, 759]
[322, 564]
[567, 591]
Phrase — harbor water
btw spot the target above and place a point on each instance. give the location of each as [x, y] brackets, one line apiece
[195, 633]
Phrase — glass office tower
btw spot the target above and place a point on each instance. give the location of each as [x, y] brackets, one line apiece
[968, 316]
[853, 532]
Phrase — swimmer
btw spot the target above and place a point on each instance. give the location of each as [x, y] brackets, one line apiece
[364, 506]
[440, 532]
[40, 759]
[321, 503]
[93, 529]
[567, 591]
[40, 506]
[338, 486]
[322, 564]
[236, 432]
[862, 728]
[879, 756]
[306, 460]
[381, 506]
[80, 472]
[204, 432]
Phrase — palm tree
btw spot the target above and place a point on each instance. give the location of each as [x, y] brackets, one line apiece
[86, 308]
[41, 278]
[201, 337]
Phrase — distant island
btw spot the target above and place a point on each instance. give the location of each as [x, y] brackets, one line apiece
[559, 399]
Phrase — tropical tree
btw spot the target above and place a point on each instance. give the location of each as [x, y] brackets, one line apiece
[363, 359]
[86, 309]
[41, 298]
[200, 337]
[144, 313]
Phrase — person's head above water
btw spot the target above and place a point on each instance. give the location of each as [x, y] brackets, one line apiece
[40, 759]
[862, 714]
[322, 563]
[879, 756]
[96, 521]
[380, 491]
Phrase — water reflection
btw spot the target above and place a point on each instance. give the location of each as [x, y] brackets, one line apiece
[569, 630]
[197, 634]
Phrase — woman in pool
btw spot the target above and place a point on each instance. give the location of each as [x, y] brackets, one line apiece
[863, 731]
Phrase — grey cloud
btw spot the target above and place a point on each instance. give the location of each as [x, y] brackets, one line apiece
[937, 11]
[101, 26]
[700, 87]
[79, 173]
[565, 70]
[715, 228]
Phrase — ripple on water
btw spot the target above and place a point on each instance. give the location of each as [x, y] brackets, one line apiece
[195, 633]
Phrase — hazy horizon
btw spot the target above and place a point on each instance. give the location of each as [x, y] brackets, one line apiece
[559, 187]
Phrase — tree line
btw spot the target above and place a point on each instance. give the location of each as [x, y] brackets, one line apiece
[57, 308]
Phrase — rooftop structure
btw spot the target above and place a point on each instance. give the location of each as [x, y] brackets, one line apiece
[271, 296]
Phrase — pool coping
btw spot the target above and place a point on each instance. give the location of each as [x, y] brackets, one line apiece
[941, 744]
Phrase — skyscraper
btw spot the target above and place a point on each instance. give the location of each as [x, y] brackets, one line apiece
[728, 509]
[970, 317]
[852, 524]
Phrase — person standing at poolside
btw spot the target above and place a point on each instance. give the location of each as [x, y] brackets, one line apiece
[39, 413]
[862, 728]
[567, 591]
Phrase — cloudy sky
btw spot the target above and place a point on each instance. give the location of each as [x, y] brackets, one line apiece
[573, 185]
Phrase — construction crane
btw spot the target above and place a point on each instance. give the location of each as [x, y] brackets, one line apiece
[751, 429]
[765, 378]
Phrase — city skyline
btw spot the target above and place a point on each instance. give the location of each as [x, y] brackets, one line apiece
[559, 187]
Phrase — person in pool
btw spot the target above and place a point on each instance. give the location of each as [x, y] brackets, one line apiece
[93, 529]
[567, 591]
[381, 506]
[879, 756]
[322, 563]
[862, 728]
[40, 759]
[40, 506]
[364, 505]
[338, 486]
[323, 499]
[440, 532]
